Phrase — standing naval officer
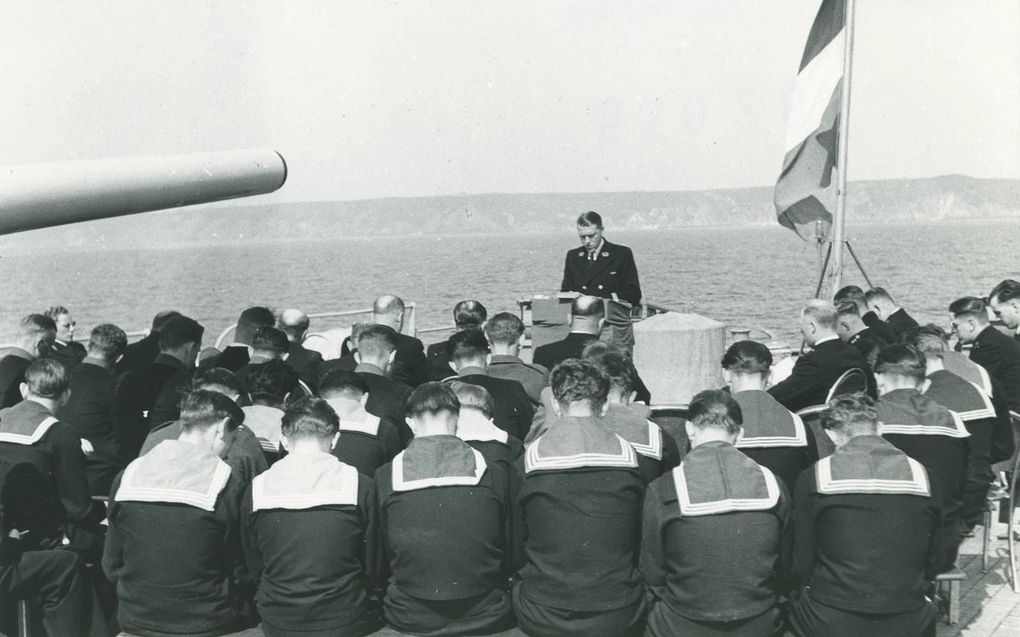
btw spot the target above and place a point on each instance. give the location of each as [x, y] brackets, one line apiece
[605, 270]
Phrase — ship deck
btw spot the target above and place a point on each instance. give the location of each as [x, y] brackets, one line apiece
[988, 606]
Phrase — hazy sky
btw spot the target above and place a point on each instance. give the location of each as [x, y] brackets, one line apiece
[371, 99]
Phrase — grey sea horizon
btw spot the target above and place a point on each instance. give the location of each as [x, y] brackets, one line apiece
[752, 276]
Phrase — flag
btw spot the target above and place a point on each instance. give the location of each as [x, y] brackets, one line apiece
[805, 192]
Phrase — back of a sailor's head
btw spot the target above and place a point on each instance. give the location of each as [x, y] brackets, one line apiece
[620, 370]
[467, 314]
[587, 314]
[713, 416]
[271, 382]
[899, 367]
[931, 340]
[747, 364]
[107, 342]
[505, 332]
[221, 381]
[818, 320]
[269, 342]
[377, 345]
[160, 319]
[209, 419]
[853, 294]
[250, 320]
[46, 382]
[468, 348]
[310, 424]
[36, 333]
[345, 391]
[474, 399]
[432, 409]
[849, 416]
[880, 302]
[181, 337]
[580, 388]
[389, 310]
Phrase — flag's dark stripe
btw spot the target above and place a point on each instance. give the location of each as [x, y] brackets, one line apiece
[828, 23]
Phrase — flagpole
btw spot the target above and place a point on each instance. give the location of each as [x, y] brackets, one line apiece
[839, 222]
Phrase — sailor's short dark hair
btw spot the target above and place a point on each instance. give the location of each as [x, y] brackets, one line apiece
[47, 378]
[271, 380]
[970, 306]
[251, 319]
[901, 360]
[270, 339]
[343, 382]
[620, 369]
[577, 380]
[878, 293]
[432, 398]
[590, 218]
[715, 409]
[377, 341]
[474, 397]
[931, 340]
[469, 314]
[218, 377]
[37, 325]
[467, 344]
[178, 331]
[201, 409]
[847, 308]
[747, 357]
[107, 340]
[1006, 290]
[852, 293]
[310, 417]
[504, 328]
[850, 411]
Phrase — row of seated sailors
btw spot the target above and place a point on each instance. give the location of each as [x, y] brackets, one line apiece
[580, 441]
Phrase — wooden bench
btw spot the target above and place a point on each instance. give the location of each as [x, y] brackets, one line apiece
[951, 579]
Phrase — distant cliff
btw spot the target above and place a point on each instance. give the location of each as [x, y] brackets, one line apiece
[951, 197]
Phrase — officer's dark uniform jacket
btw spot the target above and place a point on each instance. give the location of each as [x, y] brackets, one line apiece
[716, 538]
[612, 271]
[92, 414]
[447, 528]
[775, 437]
[191, 580]
[867, 525]
[386, 398]
[310, 539]
[975, 409]
[366, 442]
[581, 503]
[30, 434]
[657, 450]
[937, 438]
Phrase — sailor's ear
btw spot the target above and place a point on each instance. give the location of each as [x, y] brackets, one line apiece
[453, 366]
[727, 376]
[633, 396]
[689, 428]
[488, 359]
[285, 443]
[520, 340]
[285, 397]
[357, 357]
[410, 423]
[23, 388]
[364, 399]
[556, 409]
[604, 409]
[336, 439]
[393, 356]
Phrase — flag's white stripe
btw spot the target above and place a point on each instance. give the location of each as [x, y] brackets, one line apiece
[813, 92]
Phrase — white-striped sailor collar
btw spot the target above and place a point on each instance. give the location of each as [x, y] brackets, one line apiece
[642, 434]
[535, 461]
[797, 436]
[175, 472]
[653, 448]
[987, 410]
[305, 481]
[402, 484]
[958, 430]
[359, 422]
[725, 505]
[472, 425]
[32, 438]
[874, 452]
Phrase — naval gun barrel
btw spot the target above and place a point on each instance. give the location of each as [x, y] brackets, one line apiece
[44, 195]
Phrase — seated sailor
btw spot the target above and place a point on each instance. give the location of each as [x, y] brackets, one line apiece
[244, 456]
[269, 384]
[366, 442]
[447, 523]
[657, 450]
[926, 431]
[30, 434]
[505, 332]
[173, 548]
[310, 541]
[975, 409]
[268, 344]
[716, 534]
[581, 500]
[867, 525]
[475, 427]
[772, 436]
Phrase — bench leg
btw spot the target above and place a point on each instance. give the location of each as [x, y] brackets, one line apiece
[954, 602]
[24, 618]
[986, 538]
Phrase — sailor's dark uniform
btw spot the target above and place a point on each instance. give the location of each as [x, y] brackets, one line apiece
[173, 548]
[868, 543]
[311, 544]
[774, 437]
[91, 412]
[532, 376]
[30, 435]
[513, 407]
[880, 328]
[978, 414]
[815, 372]
[496, 446]
[367, 444]
[69, 354]
[581, 502]
[12, 374]
[937, 438]
[447, 526]
[716, 544]
[387, 398]
[657, 450]
[900, 321]
[266, 423]
[245, 456]
[868, 344]
[138, 397]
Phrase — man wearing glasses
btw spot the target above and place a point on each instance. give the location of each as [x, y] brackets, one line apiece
[65, 349]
